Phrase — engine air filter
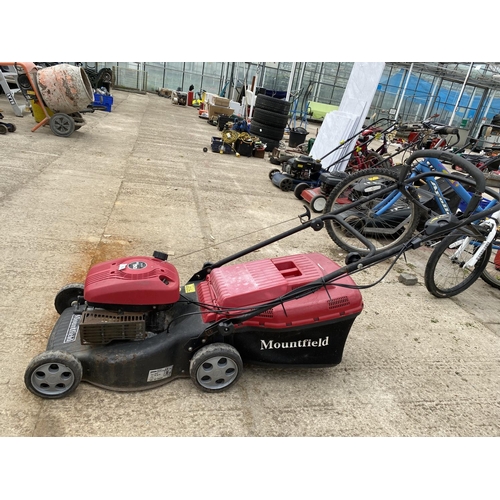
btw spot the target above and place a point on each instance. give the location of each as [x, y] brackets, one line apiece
[102, 327]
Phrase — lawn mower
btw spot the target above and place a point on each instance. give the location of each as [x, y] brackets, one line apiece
[131, 325]
[297, 170]
[312, 183]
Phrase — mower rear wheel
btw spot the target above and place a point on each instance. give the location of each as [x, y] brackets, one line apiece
[3, 129]
[67, 295]
[286, 184]
[215, 367]
[53, 374]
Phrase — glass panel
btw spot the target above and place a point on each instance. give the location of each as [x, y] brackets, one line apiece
[173, 79]
[175, 65]
[155, 73]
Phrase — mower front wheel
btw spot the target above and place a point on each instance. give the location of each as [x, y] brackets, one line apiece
[53, 374]
[318, 203]
[67, 295]
[215, 367]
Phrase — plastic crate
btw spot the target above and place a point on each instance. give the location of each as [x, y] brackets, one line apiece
[103, 100]
[482, 204]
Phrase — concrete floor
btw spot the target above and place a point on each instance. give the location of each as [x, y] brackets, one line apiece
[137, 180]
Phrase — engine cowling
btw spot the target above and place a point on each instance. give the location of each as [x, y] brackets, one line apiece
[132, 281]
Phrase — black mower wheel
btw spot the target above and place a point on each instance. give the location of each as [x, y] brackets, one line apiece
[3, 129]
[286, 184]
[62, 124]
[53, 374]
[272, 172]
[11, 127]
[67, 295]
[215, 367]
[299, 188]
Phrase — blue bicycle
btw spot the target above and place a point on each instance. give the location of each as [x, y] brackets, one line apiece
[432, 187]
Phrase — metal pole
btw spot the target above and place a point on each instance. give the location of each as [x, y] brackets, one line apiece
[432, 97]
[461, 93]
[404, 91]
[290, 81]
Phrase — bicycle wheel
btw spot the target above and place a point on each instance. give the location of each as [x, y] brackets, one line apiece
[384, 221]
[445, 274]
[491, 273]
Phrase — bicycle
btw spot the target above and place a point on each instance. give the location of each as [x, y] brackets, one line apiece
[428, 134]
[465, 255]
[462, 257]
[392, 218]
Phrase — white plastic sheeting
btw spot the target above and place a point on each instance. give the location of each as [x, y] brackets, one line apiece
[344, 123]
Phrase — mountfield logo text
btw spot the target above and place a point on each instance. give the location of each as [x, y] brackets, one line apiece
[271, 344]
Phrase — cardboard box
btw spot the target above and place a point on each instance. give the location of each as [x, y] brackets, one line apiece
[221, 101]
[215, 111]
[165, 92]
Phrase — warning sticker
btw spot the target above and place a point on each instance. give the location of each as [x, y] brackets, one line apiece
[190, 288]
[160, 373]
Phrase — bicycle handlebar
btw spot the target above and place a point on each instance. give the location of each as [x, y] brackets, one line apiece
[465, 165]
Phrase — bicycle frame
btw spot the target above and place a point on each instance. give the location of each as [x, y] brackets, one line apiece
[422, 169]
[471, 263]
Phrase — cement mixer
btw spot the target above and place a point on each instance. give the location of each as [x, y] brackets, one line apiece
[58, 95]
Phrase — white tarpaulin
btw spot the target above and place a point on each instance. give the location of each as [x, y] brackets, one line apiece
[347, 121]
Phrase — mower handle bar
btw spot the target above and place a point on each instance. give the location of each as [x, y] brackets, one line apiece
[226, 325]
[318, 223]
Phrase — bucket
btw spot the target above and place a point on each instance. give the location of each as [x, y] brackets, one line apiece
[65, 88]
[297, 137]
[221, 121]
[38, 113]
